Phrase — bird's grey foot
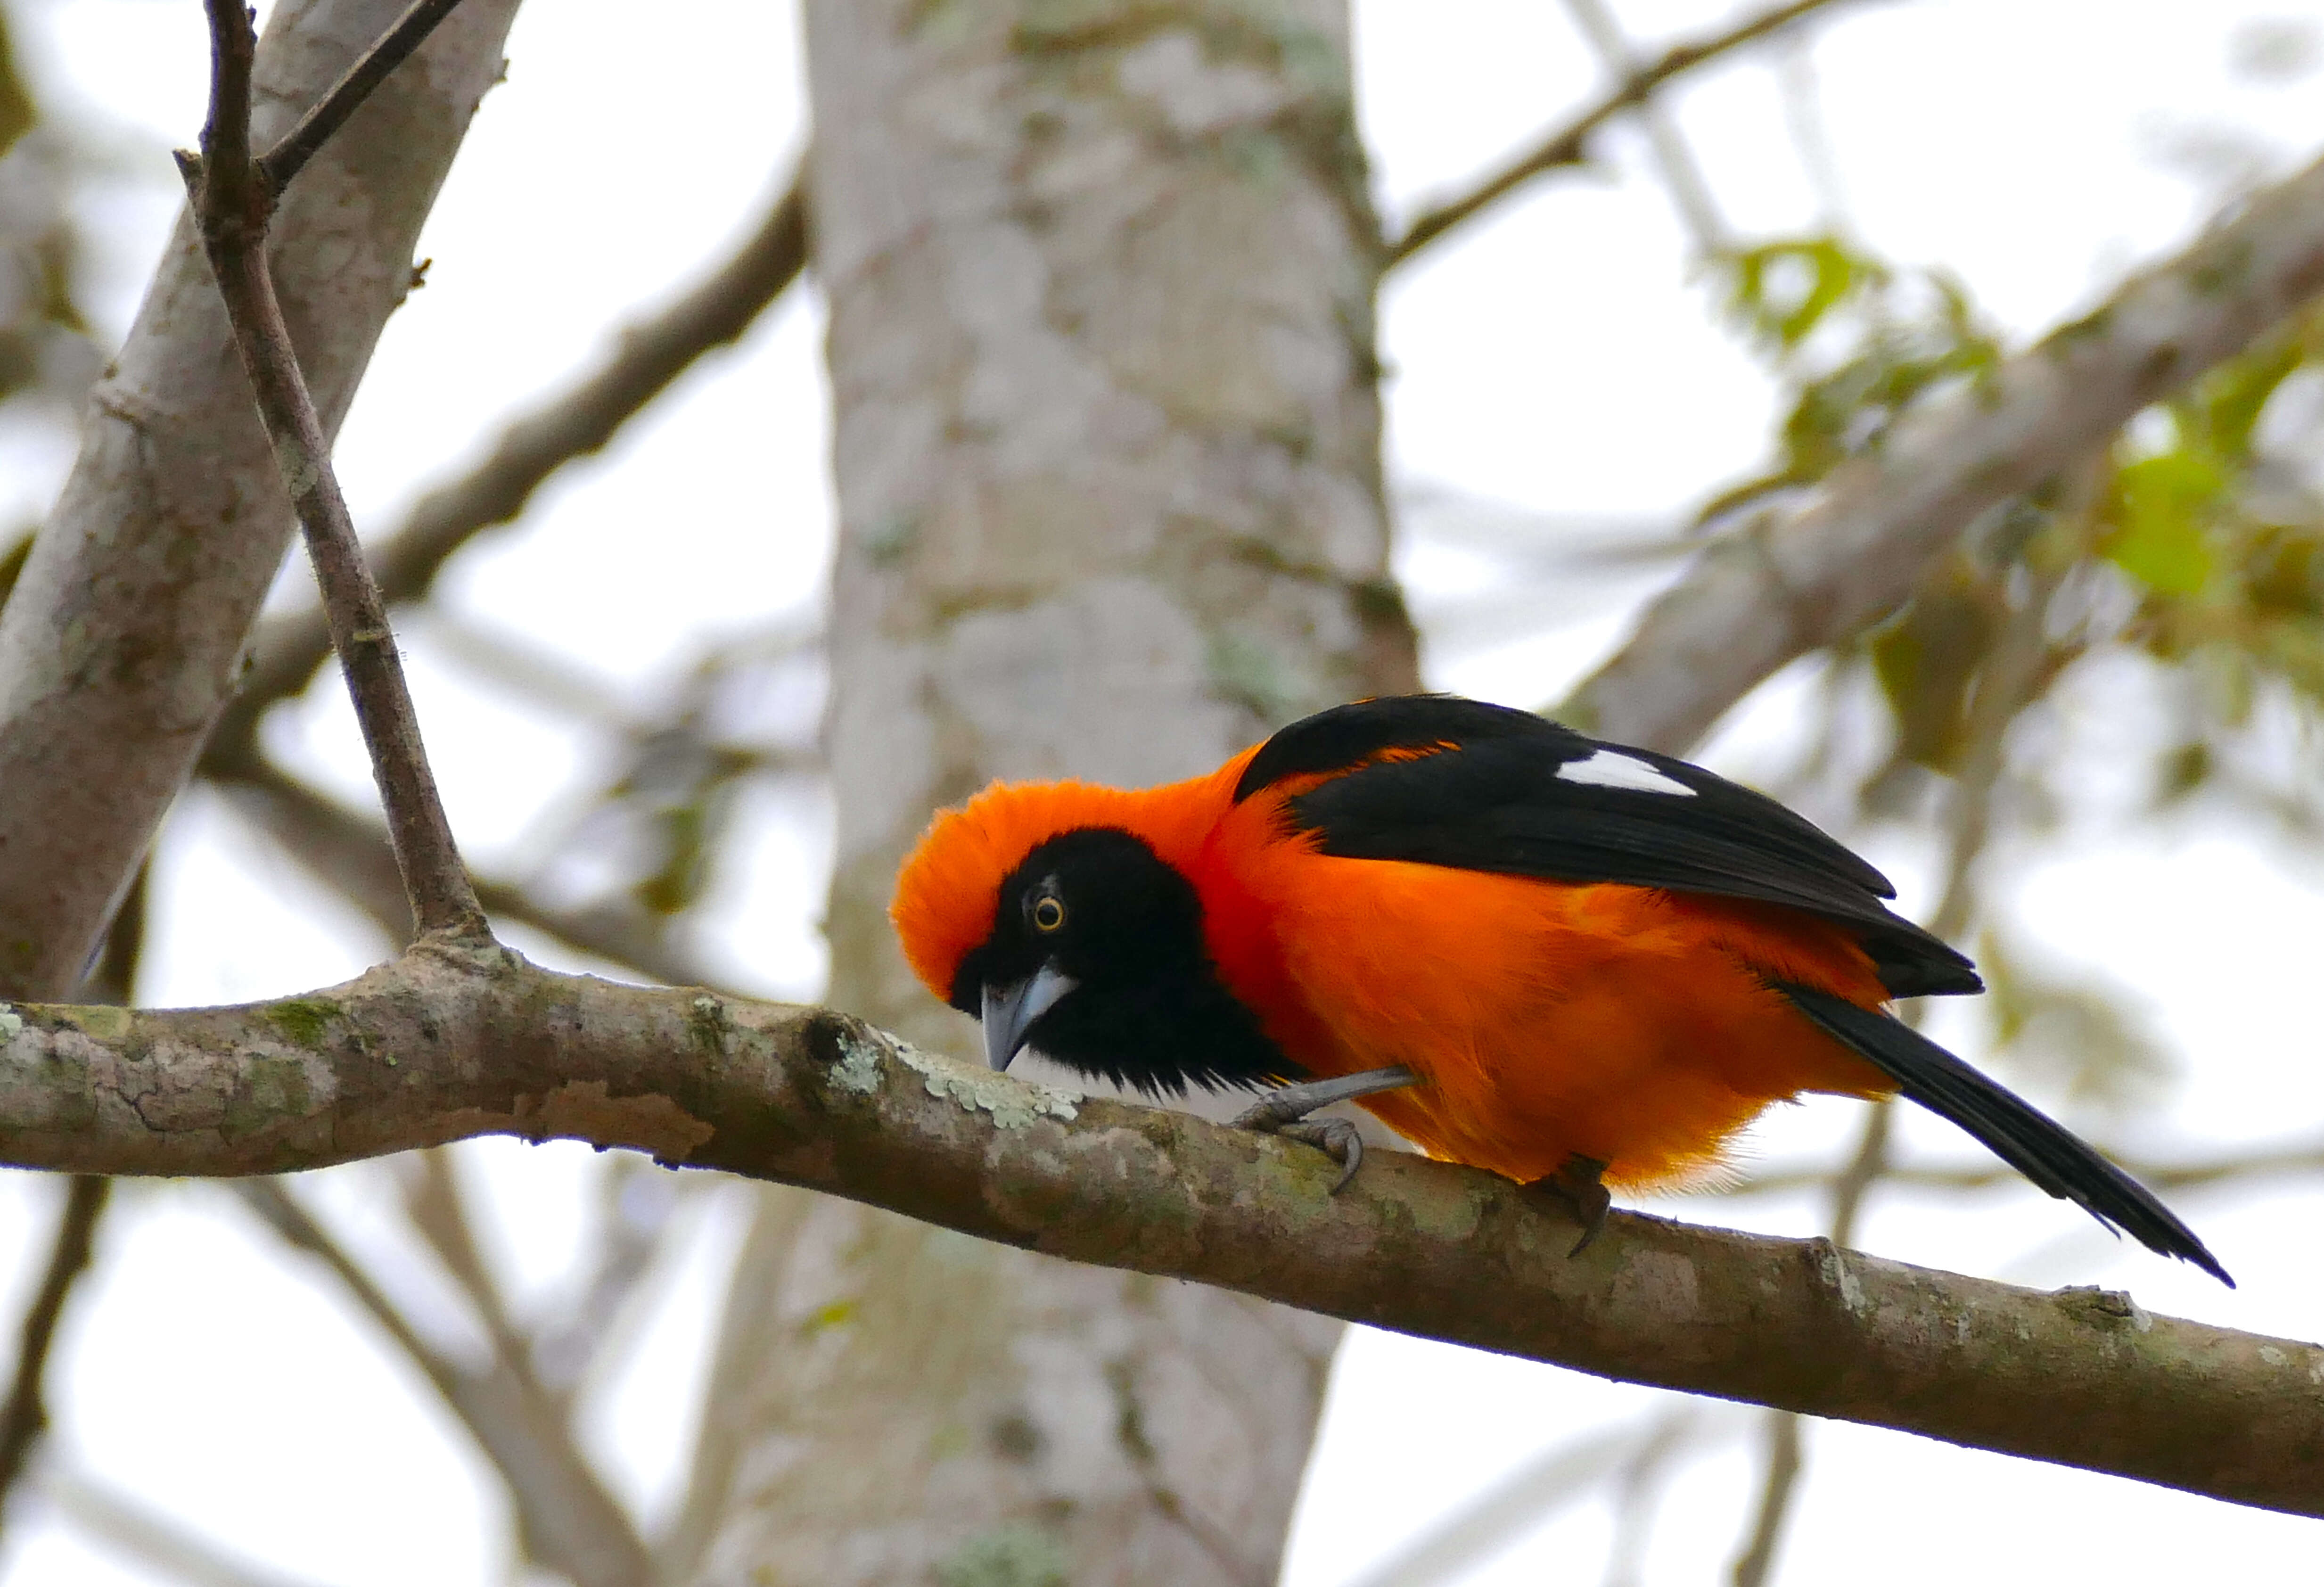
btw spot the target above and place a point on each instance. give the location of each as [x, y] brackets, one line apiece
[1283, 1112]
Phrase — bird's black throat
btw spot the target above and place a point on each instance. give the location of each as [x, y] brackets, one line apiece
[1149, 1011]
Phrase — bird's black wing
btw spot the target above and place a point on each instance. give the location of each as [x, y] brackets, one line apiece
[2020, 1134]
[1484, 787]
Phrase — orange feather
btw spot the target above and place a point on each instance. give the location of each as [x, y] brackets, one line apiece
[1621, 1023]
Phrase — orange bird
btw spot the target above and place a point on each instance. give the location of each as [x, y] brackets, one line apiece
[1569, 962]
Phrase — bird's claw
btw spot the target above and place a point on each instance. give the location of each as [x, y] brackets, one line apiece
[1336, 1139]
[1579, 1183]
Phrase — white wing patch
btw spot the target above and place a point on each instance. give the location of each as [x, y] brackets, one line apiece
[1608, 769]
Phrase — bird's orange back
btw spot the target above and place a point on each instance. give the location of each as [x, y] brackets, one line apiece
[1622, 1023]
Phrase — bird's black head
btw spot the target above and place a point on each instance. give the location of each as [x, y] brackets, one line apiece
[1097, 960]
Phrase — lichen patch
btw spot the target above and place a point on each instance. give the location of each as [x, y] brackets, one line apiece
[1012, 1103]
[858, 1069]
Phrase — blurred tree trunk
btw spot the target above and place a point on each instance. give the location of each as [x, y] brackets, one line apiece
[1100, 280]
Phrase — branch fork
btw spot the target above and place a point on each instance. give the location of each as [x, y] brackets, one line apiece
[232, 195]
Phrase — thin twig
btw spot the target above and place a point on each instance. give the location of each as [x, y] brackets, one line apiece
[567, 1520]
[25, 1416]
[2011, 678]
[347, 850]
[1569, 144]
[1639, 1490]
[1803, 117]
[636, 1221]
[1775, 1506]
[1533, 1493]
[232, 203]
[437, 1208]
[1689, 192]
[290, 156]
[648, 357]
[2233, 1168]
[116, 1520]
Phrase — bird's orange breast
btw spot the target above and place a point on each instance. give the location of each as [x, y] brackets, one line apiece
[1621, 1023]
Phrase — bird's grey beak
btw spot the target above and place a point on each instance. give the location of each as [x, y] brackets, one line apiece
[1009, 1011]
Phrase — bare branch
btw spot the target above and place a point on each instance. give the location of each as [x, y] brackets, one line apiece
[570, 1523]
[1765, 595]
[124, 637]
[438, 1209]
[25, 1416]
[115, 1519]
[1570, 144]
[1690, 192]
[232, 203]
[1527, 1496]
[638, 1212]
[1782, 1480]
[2230, 1168]
[1640, 1486]
[648, 357]
[2009, 681]
[283, 161]
[454, 1040]
[348, 850]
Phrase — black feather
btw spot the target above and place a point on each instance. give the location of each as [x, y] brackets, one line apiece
[2020, 1134]
[1492, 798]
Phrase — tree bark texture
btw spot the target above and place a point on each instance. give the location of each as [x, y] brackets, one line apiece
[125, 635]
[1100, 279]
[455, 1040]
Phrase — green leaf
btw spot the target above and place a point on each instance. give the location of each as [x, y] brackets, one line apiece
[1784, 290]
[2162, 537]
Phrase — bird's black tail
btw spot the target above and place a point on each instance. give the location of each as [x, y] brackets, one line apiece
[2020, 1134]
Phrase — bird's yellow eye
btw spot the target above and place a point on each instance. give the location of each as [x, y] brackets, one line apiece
[1048, 914]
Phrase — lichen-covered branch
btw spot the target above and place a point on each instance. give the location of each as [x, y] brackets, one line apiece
[1763, 597]
[452, 1041]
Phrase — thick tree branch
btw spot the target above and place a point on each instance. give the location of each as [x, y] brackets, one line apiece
[452, 1041]
[1570, 144]
[647, 358]
[233, 202]
[1769, 594]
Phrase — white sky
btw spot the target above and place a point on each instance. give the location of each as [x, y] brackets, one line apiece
[1557, 359]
